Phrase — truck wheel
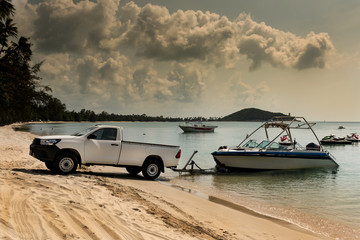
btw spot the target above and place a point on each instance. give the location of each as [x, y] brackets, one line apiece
[151, 169]
[66, 163]
[133, 170]
[50, 165]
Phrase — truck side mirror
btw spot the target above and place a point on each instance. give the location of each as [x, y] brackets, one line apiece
[91, 136]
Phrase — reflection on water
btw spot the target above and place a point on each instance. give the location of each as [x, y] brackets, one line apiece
[306, 198]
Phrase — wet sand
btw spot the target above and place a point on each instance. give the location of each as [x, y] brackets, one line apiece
[107, 203]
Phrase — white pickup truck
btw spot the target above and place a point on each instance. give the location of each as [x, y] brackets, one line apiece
[103, 145]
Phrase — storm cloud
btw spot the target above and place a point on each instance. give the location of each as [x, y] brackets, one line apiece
[126, 53]
[154, 33]
[65, 26]
[262, 43]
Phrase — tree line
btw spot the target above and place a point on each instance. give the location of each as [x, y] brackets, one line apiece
[88, 115]
[23, 98]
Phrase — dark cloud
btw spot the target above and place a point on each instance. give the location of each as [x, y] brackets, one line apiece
[262, 43]
[314, 53]
[189, 81]
[182, 83]
[139, 80]
[65, 26]
[253, 49]
[86, 69]
[155, 33]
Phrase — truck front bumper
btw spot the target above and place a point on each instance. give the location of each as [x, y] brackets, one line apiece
[43, 153]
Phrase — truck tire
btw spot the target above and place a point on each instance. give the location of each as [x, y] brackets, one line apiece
[133, 170]
[65, 163]
[151, 169]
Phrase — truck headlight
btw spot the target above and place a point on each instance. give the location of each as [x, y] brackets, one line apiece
[49, 141]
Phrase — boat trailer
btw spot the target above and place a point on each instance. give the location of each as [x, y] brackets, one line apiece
[192, 169]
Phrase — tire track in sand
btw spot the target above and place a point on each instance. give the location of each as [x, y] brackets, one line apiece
[6, 197]
[186, 225]
[80, 224]
[20, 216]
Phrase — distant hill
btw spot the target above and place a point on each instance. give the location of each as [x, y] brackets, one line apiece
[251, 114]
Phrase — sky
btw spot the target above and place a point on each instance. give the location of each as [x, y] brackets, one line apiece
[198, 57]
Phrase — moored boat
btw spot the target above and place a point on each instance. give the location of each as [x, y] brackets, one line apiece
[270, 155]
[331, 139]
[196, 127]
[353, 137]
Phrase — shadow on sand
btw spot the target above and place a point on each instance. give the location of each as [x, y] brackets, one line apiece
[116, 175]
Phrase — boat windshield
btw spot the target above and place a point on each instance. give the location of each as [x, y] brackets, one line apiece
[272, 146]
[83, 132]
[250, 144]
[263, 144]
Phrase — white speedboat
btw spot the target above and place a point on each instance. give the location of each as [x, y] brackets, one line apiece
[270, 155]
[196, 127]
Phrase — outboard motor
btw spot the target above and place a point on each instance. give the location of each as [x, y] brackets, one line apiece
[313, 146]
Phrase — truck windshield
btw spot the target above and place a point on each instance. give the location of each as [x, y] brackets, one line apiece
[83, 132]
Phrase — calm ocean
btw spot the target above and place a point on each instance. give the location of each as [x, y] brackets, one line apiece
[318, 200]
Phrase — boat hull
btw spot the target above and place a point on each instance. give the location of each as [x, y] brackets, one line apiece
[274, 160]
[335, 142]
[198, 129]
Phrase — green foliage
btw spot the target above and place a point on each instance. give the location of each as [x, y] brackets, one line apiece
[21, 95]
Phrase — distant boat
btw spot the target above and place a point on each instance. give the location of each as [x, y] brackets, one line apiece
[331, 139]
[196, 127]
[353, 137]
[341, 127]
[270, 155]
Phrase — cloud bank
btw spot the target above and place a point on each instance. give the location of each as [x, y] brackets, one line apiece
[132, 54]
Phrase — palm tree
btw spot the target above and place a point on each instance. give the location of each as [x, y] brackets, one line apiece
[6, 8]
[7, 27]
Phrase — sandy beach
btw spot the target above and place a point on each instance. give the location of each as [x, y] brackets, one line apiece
[107, 203]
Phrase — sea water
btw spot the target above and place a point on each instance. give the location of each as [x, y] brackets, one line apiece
[320, 200]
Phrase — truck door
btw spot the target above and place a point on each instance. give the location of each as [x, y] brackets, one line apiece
[102, 146]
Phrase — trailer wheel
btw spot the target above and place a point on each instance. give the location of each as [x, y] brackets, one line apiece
[133, 170]
[65, 163]
[151, 169]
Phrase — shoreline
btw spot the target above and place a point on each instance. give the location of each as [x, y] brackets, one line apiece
[146, 208]
[244, 209]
